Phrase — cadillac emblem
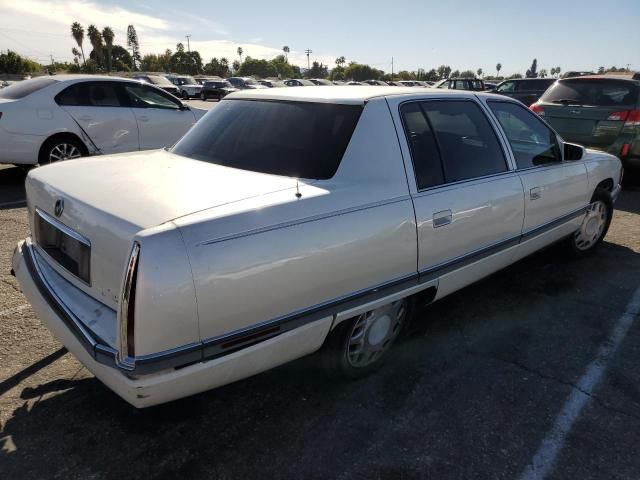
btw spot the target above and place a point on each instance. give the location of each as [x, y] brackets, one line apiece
[59, 207]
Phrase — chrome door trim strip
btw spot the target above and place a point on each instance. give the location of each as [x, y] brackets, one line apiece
[215, 347]
[313, 218]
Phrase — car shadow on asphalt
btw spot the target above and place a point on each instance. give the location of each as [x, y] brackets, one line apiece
[12, 194]
[280, 422]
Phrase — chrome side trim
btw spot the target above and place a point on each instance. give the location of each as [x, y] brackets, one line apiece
[62, 227]
[215, 347]
[302, 221]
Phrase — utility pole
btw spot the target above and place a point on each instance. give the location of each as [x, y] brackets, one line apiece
[308, 51]
[628, 65]
[188, 46]
[392, 69]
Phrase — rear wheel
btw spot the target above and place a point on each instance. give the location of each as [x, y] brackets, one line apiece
[185, 95]
[203, 97]
[595, 224]
[61, 148]
[358, 346]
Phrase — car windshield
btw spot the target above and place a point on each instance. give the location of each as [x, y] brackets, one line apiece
[21, 89]
[295, 139]
[158, 80]
[592, 91]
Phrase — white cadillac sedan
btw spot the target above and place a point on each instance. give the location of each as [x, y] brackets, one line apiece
[61, 117]
[290, 220]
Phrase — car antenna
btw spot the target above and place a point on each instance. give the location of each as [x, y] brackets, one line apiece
[298, 194]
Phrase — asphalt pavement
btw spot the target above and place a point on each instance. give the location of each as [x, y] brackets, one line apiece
[533, 372]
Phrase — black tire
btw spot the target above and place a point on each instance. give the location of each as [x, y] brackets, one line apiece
[185, 95]
[203, 97]
[595, 224]
[56, 145]
[337, 356]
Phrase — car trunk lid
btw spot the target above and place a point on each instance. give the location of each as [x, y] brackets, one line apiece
[108, 200]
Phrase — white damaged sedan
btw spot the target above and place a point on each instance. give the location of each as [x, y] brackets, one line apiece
[290, 220]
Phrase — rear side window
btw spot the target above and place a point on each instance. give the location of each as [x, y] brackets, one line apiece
[593, 91]
[427, 164]
[295, 139]
[532, 142]
[91, 94]
[21, 89]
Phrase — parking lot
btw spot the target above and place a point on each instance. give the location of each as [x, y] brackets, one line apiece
[532, 367]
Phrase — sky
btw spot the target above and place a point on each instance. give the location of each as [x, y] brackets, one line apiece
[465, 34]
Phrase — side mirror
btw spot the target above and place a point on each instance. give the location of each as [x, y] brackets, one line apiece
[573, 151]
[184, 107]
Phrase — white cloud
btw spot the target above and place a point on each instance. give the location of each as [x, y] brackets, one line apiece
[39, 28]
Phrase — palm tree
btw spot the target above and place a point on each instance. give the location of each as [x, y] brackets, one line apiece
[498, 68]
[552, 71]
[95, 37]
[286, 51]
[240, 53]
[107, 35]
[77, 32]
[479, 72]
[341, 61]
[558, 70]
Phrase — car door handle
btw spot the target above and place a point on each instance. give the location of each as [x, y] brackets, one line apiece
[143, 118]
[85, 118]
[440, 219]
[535, 193]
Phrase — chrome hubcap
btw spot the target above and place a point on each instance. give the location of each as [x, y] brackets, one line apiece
[592, 226]
[63, 151]
[374, 332]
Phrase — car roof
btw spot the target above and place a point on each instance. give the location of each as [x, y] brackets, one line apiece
[68, 77]
[603, 77]
[349, 95]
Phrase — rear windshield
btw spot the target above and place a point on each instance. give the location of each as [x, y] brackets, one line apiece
[294, 139]
[590, 91]
[26, 87]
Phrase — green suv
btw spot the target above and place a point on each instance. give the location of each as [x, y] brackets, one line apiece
[596, 111]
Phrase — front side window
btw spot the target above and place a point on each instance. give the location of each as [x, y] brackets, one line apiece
[91, 94]
[142, 96]
[295, 139]
[532, 142]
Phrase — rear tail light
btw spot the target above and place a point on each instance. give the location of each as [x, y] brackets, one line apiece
[633, 119]
[618, 116]
[126, 313]
[624, 151]
[536, 108]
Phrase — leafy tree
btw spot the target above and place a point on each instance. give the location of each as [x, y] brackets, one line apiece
[558, 70]
[455, 73]
[76, 56]
[240, 51]
[360, 72]
[405, 75]
[600, 70]
[533, 71]
[219, 68]
[340, 61]
[258, 68]
[444, 71]
[189, 63]
[108, 36]
[90, 66]
[552, 71]
[479, 72]
[120, 59]
[157, 63]
[77, 32]
[514, 76]
[318, 70]
[543, 73]
[431, 75]
[283, 68]
[286, 51]
[466, 74]
[337, 73]
[134, 45]
[235, 66]
[11, 62]
[498, 68]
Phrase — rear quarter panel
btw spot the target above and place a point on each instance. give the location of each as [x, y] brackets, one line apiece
[265, 258]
